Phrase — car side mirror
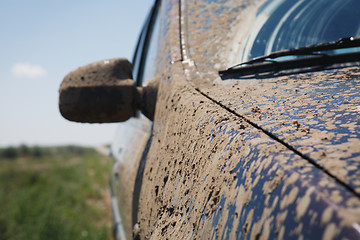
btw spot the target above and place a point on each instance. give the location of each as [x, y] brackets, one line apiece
[104, 92]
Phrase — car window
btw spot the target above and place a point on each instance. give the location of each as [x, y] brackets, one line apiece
[150, 58]
[139, 50]
[287, 24]
[145, 53]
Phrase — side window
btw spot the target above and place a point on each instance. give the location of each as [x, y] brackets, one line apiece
[151, 54]
[144, 61]
[139, 49]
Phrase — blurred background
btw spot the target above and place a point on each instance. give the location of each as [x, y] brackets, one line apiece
[41, 41]
[54, 174]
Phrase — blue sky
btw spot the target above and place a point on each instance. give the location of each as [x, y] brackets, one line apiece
[40, 42]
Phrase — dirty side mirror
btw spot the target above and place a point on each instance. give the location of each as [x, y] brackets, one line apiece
[101, 92]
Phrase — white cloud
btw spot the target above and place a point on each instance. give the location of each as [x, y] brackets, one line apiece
[26, 70]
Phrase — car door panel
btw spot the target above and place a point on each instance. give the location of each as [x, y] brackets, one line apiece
[210, 174]
[127, 149]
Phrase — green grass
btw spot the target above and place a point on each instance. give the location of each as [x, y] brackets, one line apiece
[54, 193]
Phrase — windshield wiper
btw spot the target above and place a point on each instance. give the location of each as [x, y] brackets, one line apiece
[314, 50]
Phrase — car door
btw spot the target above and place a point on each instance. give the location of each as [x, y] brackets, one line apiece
[133, 137]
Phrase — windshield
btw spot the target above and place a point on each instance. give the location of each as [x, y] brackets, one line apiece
[287, 24]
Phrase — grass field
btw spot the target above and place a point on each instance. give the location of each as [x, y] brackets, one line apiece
[54, 193]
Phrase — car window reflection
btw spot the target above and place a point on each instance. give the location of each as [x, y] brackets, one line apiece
[287, 24]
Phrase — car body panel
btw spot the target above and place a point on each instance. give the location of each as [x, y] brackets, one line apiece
[230, 159]
[213, 175]
[315, 113]
[329, 104]
[127, 149]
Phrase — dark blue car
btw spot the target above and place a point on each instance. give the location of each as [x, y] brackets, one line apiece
[240, 120]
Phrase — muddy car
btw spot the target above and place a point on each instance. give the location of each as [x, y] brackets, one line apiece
[240, 120]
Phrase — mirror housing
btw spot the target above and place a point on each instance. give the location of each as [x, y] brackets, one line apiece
[103, 92]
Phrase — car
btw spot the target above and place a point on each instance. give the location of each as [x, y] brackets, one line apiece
[240, 119]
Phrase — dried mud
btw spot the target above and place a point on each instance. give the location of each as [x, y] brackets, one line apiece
[212, 174]
[247, 159]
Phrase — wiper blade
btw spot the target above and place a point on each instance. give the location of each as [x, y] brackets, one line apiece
[299, 65]
[348, 42]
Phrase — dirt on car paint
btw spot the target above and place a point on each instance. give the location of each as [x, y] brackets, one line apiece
[212, 174]
[316, 113]
[102, 73]
[211, 170]
[99, 92]
[216, 167]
